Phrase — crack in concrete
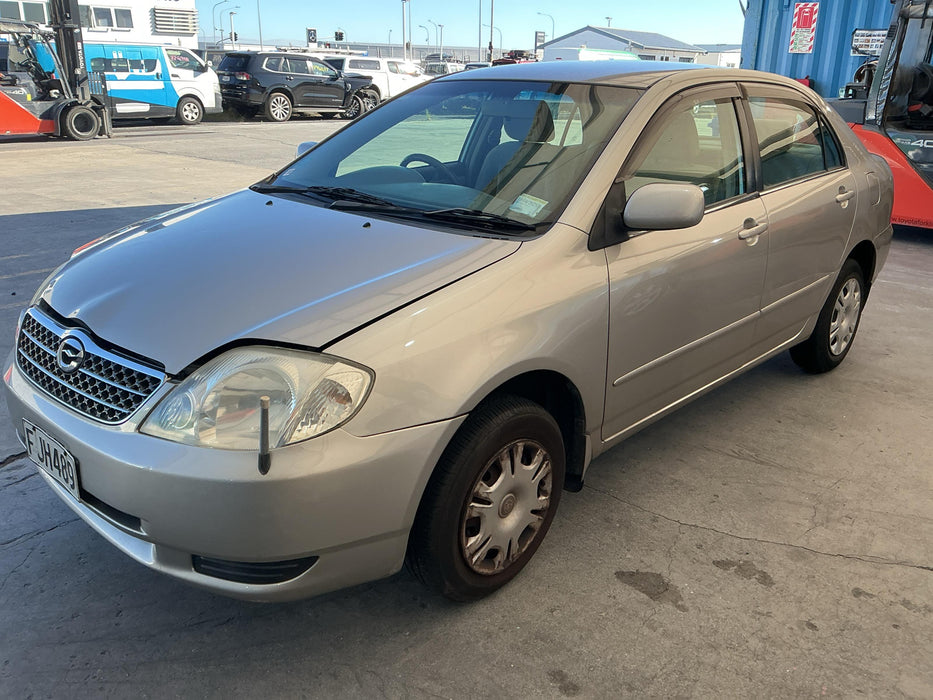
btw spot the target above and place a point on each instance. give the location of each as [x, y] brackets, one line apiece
[19, 481]
[857, 557]
[7, 461]
[36, 533]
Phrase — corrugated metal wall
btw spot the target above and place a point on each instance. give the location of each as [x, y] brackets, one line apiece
[766, 40]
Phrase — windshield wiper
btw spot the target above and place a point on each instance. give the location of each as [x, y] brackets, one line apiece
[340, 197]
[481, 218]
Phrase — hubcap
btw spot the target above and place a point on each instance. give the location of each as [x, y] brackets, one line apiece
[845, 316]
[506, 508]
[279, 108]
[190, 112]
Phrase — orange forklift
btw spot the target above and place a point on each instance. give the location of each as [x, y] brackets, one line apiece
[895, 118]
[45, 87]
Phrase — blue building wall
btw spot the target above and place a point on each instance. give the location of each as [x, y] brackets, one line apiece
[766, 40]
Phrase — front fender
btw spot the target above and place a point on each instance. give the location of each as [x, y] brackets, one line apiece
[545, 307]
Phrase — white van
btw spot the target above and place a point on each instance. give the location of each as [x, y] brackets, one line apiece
[146, 81]
[391, 76]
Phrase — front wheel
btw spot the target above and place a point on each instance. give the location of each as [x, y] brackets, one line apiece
[189, 111]
[80, 123]
[835, 328]
[355, 109]
[490, 501]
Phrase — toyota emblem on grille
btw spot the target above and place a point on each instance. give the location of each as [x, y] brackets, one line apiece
[70, 355]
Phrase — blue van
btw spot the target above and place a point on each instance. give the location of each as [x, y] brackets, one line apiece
[146, 81]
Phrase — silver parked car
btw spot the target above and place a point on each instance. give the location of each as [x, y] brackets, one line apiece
[412, 339]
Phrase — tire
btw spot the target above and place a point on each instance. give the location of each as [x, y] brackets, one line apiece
[370, 101]
[80, 123]
[355, 109]
[278, 107]
[837, 324]
[189, 111]
[481, 519]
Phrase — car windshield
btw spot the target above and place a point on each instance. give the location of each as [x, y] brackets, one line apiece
[511, 150]
[233, 63]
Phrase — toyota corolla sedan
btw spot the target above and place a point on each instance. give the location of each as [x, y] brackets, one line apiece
[410, 341]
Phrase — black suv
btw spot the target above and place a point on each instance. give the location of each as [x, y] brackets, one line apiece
[282, 83]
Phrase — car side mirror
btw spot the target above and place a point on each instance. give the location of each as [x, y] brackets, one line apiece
[664, 206]
[304, 147]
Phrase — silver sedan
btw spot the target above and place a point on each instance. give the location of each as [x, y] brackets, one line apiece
[410, 341]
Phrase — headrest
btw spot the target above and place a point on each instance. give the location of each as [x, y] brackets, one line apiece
[524, 120]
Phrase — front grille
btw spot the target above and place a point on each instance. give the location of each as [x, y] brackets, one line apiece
[105, 387]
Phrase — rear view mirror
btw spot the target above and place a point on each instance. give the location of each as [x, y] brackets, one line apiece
[661, 206]
[304, 147]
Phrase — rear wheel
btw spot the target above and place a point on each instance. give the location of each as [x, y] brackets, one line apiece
[490, 501]
[80, 123]
[835, 329]
[278, 107]
[189, 111]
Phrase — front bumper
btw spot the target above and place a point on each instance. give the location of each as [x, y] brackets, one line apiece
[348, 501]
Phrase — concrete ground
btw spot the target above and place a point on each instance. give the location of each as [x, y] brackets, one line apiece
[772, 539]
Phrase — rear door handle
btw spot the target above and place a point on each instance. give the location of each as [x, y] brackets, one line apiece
[751, 228]
[844, 195]
[175, 75]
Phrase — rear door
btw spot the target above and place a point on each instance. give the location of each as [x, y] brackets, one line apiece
[810, 196]
[683, 304]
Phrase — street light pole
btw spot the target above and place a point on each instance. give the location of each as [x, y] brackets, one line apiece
[232, 39]
[259, 17]
[404, 48]
[214, 19]
[442, 41]
[545, 14]
[435, 33]
[492, 7]
[479, 35]
[500, 37]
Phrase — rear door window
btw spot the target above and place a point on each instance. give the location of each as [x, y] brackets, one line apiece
[792, 140]
[233, 63]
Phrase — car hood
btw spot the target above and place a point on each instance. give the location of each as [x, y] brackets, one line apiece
[253, 266]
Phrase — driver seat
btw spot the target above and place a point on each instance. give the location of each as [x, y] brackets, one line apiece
[530, 124]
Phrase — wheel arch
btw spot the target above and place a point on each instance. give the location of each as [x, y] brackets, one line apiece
[558, 395]
[866, 256]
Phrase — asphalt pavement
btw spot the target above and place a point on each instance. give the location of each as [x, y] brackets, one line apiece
[772, 539]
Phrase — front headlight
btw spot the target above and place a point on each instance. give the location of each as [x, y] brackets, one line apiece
[218, 405]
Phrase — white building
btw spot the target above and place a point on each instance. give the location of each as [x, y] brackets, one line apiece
[722, 55]
[648, 46]
[130, 21]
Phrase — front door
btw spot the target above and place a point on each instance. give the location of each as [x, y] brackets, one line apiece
[683, 304]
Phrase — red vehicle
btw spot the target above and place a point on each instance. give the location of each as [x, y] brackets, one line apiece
[46, 90]
[515, 56]
[896, 119]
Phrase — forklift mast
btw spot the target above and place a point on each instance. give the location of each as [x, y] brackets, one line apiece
[65, 20]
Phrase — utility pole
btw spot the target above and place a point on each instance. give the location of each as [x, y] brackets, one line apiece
[442, 40]
[259, 17]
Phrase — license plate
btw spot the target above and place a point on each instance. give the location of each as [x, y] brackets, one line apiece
[225, 78]
[51, 457]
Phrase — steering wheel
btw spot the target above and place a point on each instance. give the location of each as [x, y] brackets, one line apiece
[429, 160]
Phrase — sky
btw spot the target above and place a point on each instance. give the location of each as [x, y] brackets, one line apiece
[284, 21]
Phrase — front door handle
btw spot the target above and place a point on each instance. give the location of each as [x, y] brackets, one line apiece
[844, 195]
[751, 229]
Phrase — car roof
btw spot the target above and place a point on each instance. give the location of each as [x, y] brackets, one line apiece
[638, 74]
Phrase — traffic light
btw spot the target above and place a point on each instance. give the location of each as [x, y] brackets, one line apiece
[235, 36]
[338, 36]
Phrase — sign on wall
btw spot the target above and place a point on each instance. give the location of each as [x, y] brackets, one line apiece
[868, 42]
[803, 30]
